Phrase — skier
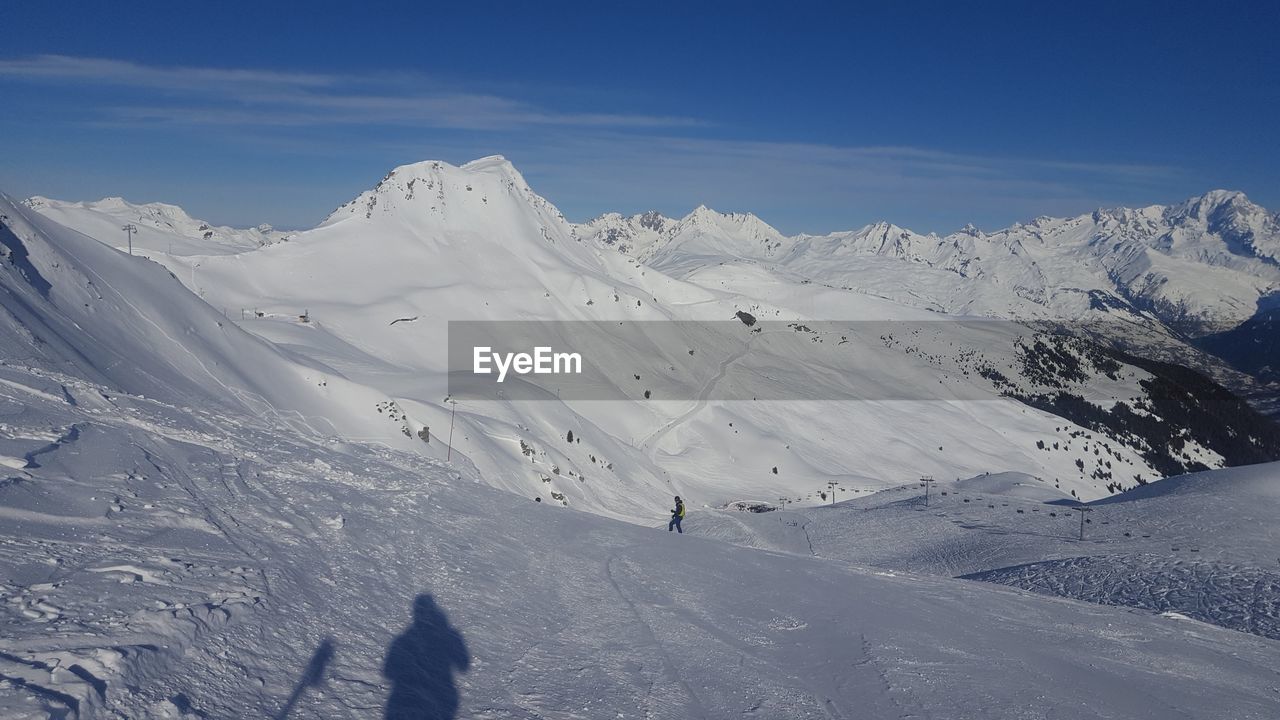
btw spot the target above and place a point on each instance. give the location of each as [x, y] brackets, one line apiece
[676, 516]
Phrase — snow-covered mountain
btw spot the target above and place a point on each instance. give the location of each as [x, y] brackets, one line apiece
[226, 488]
[72, 304]
[1210, 259]
[1194, 283]
[379, 281]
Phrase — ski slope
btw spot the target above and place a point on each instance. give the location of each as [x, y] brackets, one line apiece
[160, 563]
[1199, 546]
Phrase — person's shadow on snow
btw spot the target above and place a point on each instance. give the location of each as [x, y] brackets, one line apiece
[420, 665]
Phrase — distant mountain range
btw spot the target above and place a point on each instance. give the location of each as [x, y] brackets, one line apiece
[1211, 259]
[1203, 274]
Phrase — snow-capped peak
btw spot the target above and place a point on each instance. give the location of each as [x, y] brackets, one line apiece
[484, 194]
[1215, 201]
[637, 235]
[746, 234]
[702, 214]
[742, 222]
[490, 163]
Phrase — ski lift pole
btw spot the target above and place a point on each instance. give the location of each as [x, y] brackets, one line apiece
[452, 413]
[927, 480]
[1082, 510]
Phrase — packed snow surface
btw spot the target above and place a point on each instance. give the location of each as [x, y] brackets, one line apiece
[1200, 545]
[184, 562]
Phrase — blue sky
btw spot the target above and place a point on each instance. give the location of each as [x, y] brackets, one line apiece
[815, 116]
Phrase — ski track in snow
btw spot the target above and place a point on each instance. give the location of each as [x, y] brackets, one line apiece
[654, 439]
[670, 672]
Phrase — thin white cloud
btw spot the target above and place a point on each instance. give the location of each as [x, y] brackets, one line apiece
[122, 73]
[246, 97]
[467, 112]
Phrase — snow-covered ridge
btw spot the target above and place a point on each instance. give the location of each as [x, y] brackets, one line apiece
[1208, 259]
[158, 227]
[72, 303]
[645, 234]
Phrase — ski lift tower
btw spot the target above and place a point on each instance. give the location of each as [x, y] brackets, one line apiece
[129, 230]
[1082, 510]
[831, 485]
[927, 480]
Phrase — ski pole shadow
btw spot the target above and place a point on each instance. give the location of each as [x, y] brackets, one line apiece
[311, 677]
[421, 663]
